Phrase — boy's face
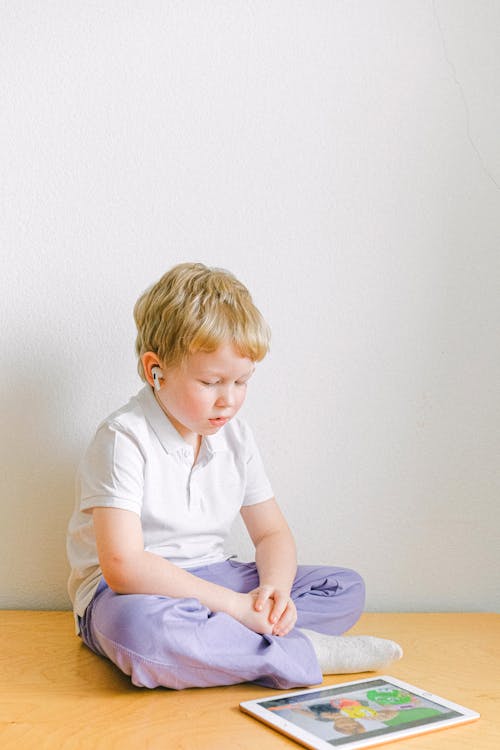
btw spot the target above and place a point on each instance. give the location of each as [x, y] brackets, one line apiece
[207, 390]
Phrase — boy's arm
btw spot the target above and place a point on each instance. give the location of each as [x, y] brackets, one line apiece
[129, 569]
[276, 559]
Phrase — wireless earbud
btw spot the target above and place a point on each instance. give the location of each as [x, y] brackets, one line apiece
[157, 375]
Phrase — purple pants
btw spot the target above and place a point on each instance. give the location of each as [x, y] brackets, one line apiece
[179, 643]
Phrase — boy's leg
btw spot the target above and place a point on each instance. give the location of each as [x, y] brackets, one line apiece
[179, 643]
[329, 600]
[324, 620]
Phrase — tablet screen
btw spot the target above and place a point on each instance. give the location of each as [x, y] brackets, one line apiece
[363, 710]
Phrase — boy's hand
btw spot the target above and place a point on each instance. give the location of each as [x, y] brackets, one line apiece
[242, 608]
[282, 614]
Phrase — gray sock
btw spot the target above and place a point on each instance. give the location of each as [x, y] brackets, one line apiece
[346, 654]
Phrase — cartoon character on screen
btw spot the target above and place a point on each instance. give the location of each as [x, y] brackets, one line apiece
[409, 707]
[346, 725]
[389, 697]
[329, 712]
[319, 711]
[323, 711]
[356, 709]
[335, 711]
[360, 709]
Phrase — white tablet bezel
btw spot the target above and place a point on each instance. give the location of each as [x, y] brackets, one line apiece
[255, 709]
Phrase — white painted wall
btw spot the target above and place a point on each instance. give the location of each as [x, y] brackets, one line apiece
[343, 159]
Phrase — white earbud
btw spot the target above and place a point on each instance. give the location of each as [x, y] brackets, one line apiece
[157, 374]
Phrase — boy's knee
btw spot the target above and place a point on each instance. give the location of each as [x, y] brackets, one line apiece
[357, 589]
[361, 590]
[148, 626]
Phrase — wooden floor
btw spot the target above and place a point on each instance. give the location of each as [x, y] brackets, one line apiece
[56, 695]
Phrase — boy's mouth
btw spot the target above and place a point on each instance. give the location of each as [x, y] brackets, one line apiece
[219, 421]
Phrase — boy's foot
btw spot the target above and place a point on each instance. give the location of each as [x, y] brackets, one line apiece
[346, 654]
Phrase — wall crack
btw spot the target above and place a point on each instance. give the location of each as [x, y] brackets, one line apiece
[461, 91]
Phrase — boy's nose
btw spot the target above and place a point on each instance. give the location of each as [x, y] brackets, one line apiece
[225, 397]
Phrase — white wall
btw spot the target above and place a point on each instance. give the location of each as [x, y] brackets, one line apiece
[343, 159]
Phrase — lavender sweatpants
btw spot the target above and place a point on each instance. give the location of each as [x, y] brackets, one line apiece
[179, 643]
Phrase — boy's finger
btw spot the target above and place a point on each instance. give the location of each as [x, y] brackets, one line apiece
[261, 598]
[286, 622]
[280, 605]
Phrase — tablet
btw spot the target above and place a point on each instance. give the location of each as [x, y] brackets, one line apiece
[357, 714]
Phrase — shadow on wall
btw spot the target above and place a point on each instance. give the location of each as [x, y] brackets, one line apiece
[40, 454]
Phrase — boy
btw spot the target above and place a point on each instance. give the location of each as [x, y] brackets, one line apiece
[157, 491]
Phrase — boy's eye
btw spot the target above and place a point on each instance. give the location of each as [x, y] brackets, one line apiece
[237, 382]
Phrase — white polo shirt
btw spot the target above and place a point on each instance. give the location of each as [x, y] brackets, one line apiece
[137, 461]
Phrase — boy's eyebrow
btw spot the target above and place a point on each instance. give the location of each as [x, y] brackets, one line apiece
[210, 371]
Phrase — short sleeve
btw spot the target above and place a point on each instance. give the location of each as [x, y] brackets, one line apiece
[111, 473]
[258, 487]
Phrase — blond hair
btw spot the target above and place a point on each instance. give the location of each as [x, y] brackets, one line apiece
[196, 308]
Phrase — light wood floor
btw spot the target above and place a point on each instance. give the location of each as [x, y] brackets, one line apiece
[56, 695]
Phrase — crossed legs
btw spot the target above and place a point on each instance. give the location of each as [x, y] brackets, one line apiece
[179, 643]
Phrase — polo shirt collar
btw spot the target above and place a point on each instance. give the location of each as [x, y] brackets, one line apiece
[161, 424]
[166, 432]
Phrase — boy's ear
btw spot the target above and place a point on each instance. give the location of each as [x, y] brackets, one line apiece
[152, 369]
